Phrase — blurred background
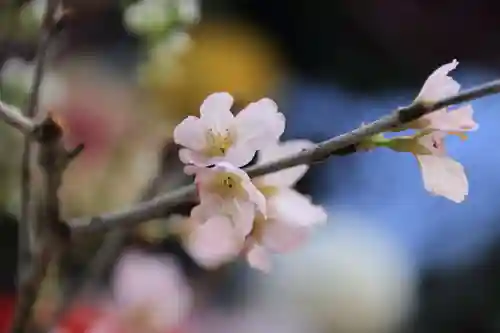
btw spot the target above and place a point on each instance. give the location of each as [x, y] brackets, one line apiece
[392, 258]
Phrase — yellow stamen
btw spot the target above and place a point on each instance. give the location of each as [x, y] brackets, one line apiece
[227, 184]
[218, 143]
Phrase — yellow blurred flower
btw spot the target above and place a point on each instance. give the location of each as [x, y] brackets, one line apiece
[223, 56]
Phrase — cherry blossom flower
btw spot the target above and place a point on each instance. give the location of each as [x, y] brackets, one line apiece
[438, 86]
[228, 191]
[441, 174]
[229, 202]
[290, 214]
[149, 296]
[218, 135]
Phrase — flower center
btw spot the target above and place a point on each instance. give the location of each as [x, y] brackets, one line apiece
[218, 143]
[227, 185]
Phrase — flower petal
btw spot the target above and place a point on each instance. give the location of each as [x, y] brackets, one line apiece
[243, 213]
[191, 133]
[216, 111]
[444, 176]
[188, 156]
[458, 120]
[439, 85]
[295, 209]
[259, 124]
[257, 258]
[287, 177]
[279, 236]
[214, 242]
[240, 154]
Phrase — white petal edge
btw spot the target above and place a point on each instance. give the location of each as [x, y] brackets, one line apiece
[272, 152]
[215, 111]
[444, 176]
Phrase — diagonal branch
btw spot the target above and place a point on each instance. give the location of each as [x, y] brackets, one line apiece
[339, 145]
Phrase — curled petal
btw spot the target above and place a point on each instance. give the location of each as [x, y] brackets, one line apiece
[259, 124]
[439, 85]
[191, 133]
[272, 152]
[214, 242]
[444, 176]
[216, 111]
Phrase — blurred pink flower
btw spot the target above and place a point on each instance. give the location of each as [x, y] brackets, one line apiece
[218, 135]
[290, 214]
[149, 296]
[438, 86]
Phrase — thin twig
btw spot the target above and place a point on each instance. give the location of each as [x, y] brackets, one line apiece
[25, 232]
[339, 145]
[13, 117]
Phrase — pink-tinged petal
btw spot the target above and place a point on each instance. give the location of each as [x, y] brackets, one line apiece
[259, 124]
[243, 214]
[434, 143]
[216, 112]
[295, 209]
[444, 176]
[191, 133]
[281, 237]
[439, 85]
[272, 152]
[193, 157]
[258, 258]
[215, 242]
[459, 120]
[254, 195]
[240, 154]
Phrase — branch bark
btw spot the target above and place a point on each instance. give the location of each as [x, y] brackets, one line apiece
[26, 221]
[340, 145]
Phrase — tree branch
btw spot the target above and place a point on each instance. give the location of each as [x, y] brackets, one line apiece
[13, 117]
[25, 232]
[339, 145]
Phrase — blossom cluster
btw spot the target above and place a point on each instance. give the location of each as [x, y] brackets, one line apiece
[237, 215]
[442, 175]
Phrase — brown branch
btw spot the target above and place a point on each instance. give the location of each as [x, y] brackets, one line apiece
[339, 145]
[52, 233]
[115, 239]
[26, 232]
